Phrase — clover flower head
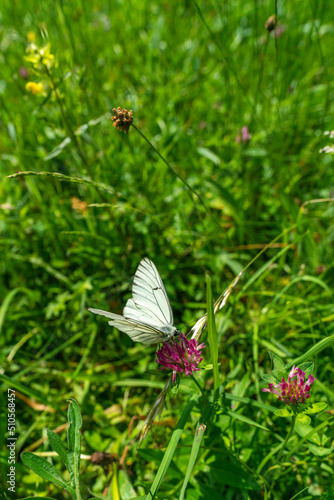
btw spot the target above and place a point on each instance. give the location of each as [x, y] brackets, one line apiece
[245, 135]
[183, 356]
[295, 390]
[122, 119]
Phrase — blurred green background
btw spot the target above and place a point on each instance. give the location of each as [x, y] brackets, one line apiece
[194, 75]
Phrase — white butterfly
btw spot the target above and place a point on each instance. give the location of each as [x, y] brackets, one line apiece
[147, 316]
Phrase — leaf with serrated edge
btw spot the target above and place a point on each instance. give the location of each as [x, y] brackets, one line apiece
[315, 408]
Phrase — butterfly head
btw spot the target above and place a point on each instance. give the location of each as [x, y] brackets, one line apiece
[176, 334]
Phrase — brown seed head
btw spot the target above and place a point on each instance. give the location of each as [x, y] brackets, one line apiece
[122, 119]
[270, 23]
[79, 205]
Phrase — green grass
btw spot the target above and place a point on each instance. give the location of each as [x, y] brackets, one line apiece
[193, 74]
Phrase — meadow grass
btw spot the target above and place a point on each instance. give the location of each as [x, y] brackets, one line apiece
[96, 201]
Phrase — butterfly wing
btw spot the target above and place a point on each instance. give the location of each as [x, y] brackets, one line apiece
[149, 294]
[138, 331]
[131, 311]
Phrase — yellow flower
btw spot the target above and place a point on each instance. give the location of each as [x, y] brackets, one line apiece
[35, 88]
[31, 36]
[40, 58]
[46, 56]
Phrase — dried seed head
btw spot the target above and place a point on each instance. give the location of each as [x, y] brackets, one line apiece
[270, 23]
[122, 119]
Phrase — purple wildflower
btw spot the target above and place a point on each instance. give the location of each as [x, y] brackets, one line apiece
[295, 390]
[184, 356]
[24, 73]
[245, 135]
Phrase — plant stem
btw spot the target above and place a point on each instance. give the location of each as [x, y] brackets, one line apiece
[199, 386]
[67, 123]
[281, 451]
[173, 170]
[287, 437]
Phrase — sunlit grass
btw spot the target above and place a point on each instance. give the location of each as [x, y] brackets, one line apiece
[96, 201]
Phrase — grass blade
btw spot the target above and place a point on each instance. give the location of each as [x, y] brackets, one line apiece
[213, 339]
[27, 391]
[237, 416]
[318, 347]
[170, 450]
[6, 302]
[67, 178]
[193, 456]
[41, 498]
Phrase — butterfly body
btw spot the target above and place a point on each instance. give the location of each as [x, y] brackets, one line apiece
[147, 316]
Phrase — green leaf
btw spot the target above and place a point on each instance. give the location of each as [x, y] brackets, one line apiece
[249, 401]
[213, 339]
[319, 451]
[209, 366]
[126, 489]
[152, 456]
[270, 379]
[279, 366]
[7, 300]
[308, 368]
[59, 447]
[230, 472]
[199, 433]
[237, 416]
[318, 347]
[207, 153]
[47, 471]
[169, 453]
[73, 438]
[203, 491]
[315, 408]
[303, 419]
[26, 390]
[284, 412]
[304, 430]
[40, 498]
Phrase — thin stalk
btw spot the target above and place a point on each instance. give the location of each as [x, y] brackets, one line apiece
[198, 385]
[67, 123]
[276, 477]
[287, 437]
[173, 170]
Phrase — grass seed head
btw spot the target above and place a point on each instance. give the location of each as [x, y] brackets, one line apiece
[122, 119]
